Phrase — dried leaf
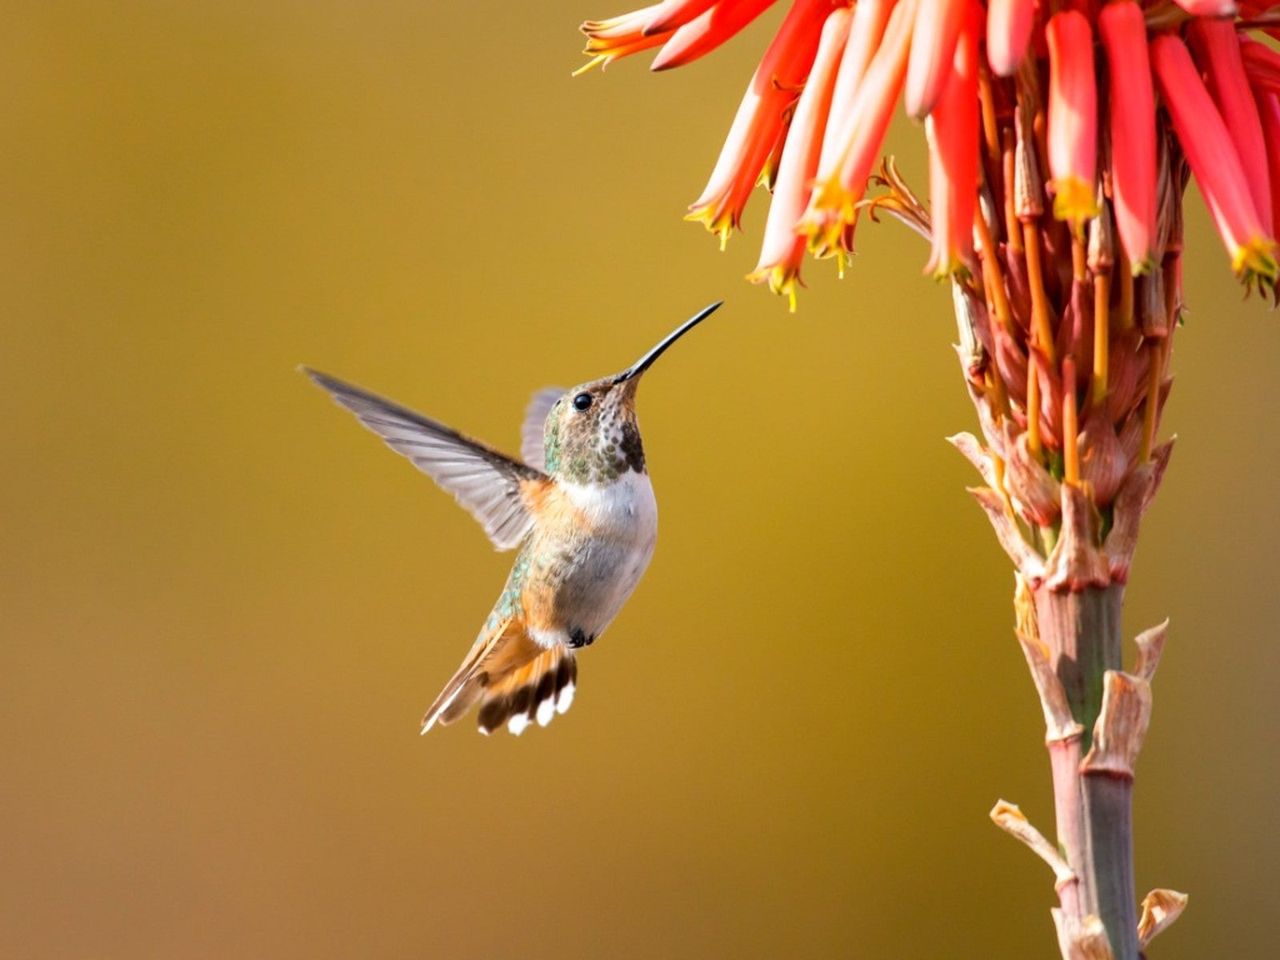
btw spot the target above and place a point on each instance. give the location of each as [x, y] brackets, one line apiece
[1159, 909]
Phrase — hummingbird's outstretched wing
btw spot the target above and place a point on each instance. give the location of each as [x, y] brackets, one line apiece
[491, 485]
[533, 431]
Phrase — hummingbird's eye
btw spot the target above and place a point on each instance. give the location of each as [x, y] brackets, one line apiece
[582, 401]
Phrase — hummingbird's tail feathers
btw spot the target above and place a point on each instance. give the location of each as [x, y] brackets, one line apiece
[534, 692]
[493, 646]
[516, 681]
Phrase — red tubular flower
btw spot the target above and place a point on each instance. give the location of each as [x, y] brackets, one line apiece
[1208, 8]
[1133, 131]
[707, 31]
[1009, 24]
[671, 14]
[783, 250]
[933, 46]
[869, 20]
[759, 120]
[1261, 63]
[609, 40]
[1212, 155]
[1269, 111]
[833, 206]
[1073, 117]
[952, 128]
[1218, 51]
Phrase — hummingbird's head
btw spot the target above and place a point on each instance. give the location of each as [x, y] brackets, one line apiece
[591, 432]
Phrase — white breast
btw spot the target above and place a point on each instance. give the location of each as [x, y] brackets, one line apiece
[623, 521]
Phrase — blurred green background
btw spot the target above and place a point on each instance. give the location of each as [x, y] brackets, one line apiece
[224, 606]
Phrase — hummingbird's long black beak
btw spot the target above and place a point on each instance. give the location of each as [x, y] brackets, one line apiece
[645, 362]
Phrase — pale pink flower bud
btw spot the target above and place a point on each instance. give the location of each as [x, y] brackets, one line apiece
[952, 130]
[1073, 117]
[759, 120]
[1009, 24]
[1133, 131]
[933, 45]
[1218, 51]
[1209, 149]
[783, 250]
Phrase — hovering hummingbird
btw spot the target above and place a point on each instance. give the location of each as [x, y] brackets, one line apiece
[581, 510]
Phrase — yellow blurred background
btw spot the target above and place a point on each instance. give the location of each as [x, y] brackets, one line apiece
[224, 606]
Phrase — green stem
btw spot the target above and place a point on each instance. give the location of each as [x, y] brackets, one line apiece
[1094, 820]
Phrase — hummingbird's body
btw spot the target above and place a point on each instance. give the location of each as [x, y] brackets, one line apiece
[581, 510]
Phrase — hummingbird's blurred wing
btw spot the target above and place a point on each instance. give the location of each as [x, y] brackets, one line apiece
[533, 446]
[489, 484]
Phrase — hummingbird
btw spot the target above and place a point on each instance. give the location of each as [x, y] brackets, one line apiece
[579, 508]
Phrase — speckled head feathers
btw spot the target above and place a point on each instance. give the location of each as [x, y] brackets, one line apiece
[591, 432]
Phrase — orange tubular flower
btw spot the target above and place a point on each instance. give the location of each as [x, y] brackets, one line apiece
[833, 206]
[1073, 117]
[707, 31]
[676, 13]
[760, 118]
[869, 20]
[617, 37]
[1133, 131]
[952, 129]
[1009, 24]
[1218, 50]
[1209, 149]
[933, 46]
[783, 250]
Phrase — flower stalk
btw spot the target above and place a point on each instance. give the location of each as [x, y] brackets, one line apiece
[1061, 140]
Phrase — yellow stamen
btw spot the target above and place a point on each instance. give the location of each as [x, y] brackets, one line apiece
[596, 61]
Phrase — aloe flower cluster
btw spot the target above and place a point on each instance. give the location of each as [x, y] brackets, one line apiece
[1061, 138]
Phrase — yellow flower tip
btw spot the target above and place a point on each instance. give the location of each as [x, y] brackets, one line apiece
[783, 280]
[947, 268]
[1143, 267]
[600, 60]
[1256, 260]
[1074, 200]
[719, 222]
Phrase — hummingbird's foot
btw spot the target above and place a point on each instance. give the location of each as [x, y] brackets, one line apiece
[579, 639]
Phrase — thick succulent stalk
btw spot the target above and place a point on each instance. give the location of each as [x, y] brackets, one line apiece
[1065, 349]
